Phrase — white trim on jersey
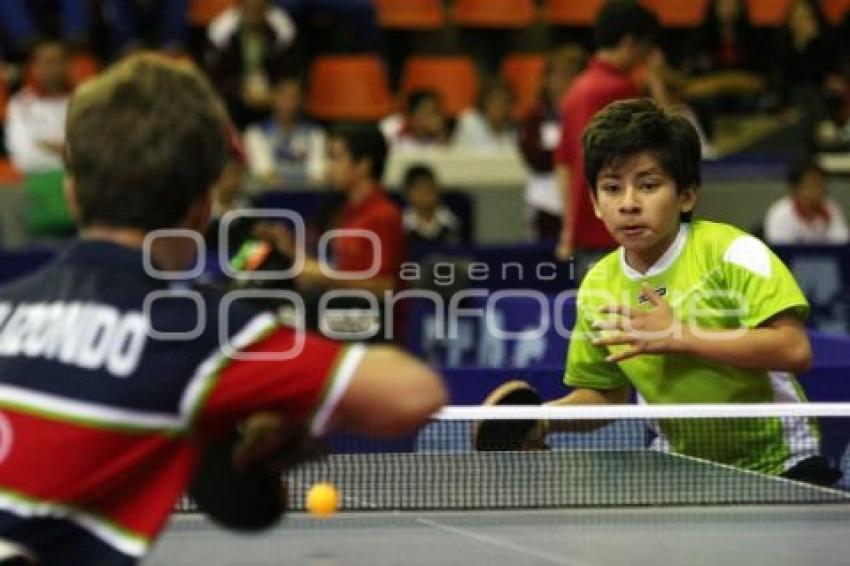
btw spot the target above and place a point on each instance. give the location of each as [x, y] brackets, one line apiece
[208, 368]
[92, 413]
[346, 367]
[129, 544]
[800, 438]
[664, 262]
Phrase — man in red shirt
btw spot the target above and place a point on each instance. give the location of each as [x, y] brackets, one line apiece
[368, 243]
[625, 37]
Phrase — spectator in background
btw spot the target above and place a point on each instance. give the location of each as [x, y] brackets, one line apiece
[160, 24]
[25, 23]
[357, 157]
[625, 35]
[538, 136]
[489, 126]
[35, 120]
[807, 65]
[250, 46]
[286, 150]
[726, 66]
[425, 125]
[807, 215]
[426, 219]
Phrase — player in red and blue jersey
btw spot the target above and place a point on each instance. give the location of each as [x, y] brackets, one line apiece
[113, 380]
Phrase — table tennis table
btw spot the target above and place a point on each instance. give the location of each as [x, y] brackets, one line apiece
[572, 507]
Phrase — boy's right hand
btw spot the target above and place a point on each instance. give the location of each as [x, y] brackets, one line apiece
[278, 235]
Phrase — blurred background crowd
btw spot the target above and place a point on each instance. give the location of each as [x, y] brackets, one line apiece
[480, 104]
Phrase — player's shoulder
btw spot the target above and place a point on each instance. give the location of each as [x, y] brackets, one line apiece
[717, 237]
[603, 275]
[723, 244]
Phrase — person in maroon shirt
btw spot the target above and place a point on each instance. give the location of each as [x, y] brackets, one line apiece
[625, 35]
[369, 261]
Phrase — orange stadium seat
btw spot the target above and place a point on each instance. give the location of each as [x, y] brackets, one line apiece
[8, 174]
[495, 13]
[835, 10]
[349, 87]
[574, 13]
[768, 13]
[202, 12]
[455, 78]
[524, 72]
[678, 13]
[410, 14]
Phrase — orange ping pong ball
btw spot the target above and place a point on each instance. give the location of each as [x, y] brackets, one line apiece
[322, 500]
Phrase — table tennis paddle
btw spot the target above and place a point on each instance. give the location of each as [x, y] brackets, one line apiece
[491, 435]
[242, 500]
[239, 480]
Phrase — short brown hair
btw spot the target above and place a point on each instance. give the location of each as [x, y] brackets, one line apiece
[145, 140]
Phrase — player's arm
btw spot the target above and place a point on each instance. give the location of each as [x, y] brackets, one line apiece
[390, 394]
[314, 274]
[779, 343]
[586, 396]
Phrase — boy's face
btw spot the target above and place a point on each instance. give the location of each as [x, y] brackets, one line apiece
[497, 107]
[637, 201]
[427, 118]
[423, 195]
[49, 67]
[287, 99]
[342, 170]
[811, 192]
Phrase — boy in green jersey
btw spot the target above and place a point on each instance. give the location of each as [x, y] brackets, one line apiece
[686, 311]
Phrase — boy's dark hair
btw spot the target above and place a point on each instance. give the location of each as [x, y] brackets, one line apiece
[620, 18]
[145, 140]
[494, 86]
[801, 169]
[364, 141]
[417, 97]
[44, 42]
[627, 127]
[417, 172]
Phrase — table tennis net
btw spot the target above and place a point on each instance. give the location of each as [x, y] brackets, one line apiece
[605, 457]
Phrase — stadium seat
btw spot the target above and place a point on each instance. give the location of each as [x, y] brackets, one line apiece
[348, 87]
[494, 13]
[524, 72]
[202, 12]
[835, 10]
[572, 13]
[768, 13]
[678, 13]
[455, 78]
[8, 174]
[410, 14]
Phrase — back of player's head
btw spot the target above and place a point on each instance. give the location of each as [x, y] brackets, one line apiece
[145, 141]
[620, 18]
[628, 127]
[364, 141]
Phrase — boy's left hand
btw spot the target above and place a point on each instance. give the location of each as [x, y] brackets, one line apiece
[653, 331]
